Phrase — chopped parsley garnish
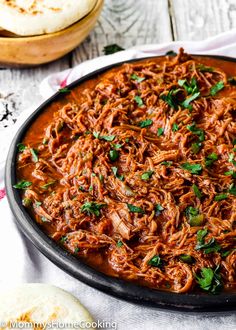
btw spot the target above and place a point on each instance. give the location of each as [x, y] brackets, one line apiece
[186, 102]
[76, 250]
[207, 247]
[63, 239]
[115, 172]
[232, 81]
[34, 155]
[166, 163]
[45, 141]
[138, 100]
[147, 175]
[203, 68]
[23, 184]
[116, 145]
[231, 159]
[145, 123]
[92, 208]
[47, 185]
[192, 168]
[160, 131]
[119, 244]
[195, 147]
[197, 131]
[108, 138]
[175, 127]
[216, 88]
[170, 53]
[171, 98]
[158, 209]
[196, 191]
[191, 88]
[113, 155]
[231, 173]
[186, 258]
[27, 202]
[64, 90]
[232, 189]
[210, 280]
[195, 219]
[111, 49]
[210, 159]
[44, 219]
[135, 209]
[220, 197]
[155, 261]
[21, 147]
[137, 78]
[37, 203]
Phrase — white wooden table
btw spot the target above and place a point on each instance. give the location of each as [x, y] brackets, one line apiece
[127, 23]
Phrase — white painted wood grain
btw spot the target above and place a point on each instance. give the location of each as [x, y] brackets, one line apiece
[127, 23]
[199, 19]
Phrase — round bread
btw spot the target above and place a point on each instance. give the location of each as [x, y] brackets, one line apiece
[41, 304]
[34, 17]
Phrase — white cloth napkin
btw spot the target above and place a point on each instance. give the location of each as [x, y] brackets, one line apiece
[21, 262]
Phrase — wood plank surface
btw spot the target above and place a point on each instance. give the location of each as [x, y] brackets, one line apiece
[127, 23]
[199, 19]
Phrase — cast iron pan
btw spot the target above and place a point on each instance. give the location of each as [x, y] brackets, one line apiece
[190, 302]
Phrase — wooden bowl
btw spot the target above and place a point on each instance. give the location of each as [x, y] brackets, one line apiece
[35, 50]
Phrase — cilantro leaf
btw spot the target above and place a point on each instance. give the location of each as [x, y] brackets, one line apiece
[170, 53]
[186, 102]
[216, 88]
[196, 191]
[135, 209]
[23, 184]
[138, 100]
[111, 49]
[195, 219]
[137, 78]
[203, 68]
[210, 280]
[197, 131]
[186, 258]
[92, 208]
[210, 159]
[160, 131]
[21, 147]
[232, 81]
[119, 243]
[158, 209]
[155, 261]
[175, 127]
[115, 172]
[171, 98]
[64, 90]
[34, 155]
[147, 175]
[232, 190]
[113, 155]
[192, 168]
[145, 123]
[195, 147]
[220, 197]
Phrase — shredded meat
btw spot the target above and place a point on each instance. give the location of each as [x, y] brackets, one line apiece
[131, 170]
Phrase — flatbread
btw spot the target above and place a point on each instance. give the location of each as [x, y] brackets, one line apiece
[35, 17]
[41, 304]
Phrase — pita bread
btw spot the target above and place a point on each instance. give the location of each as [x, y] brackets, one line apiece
[40, 304]
[34, 17]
